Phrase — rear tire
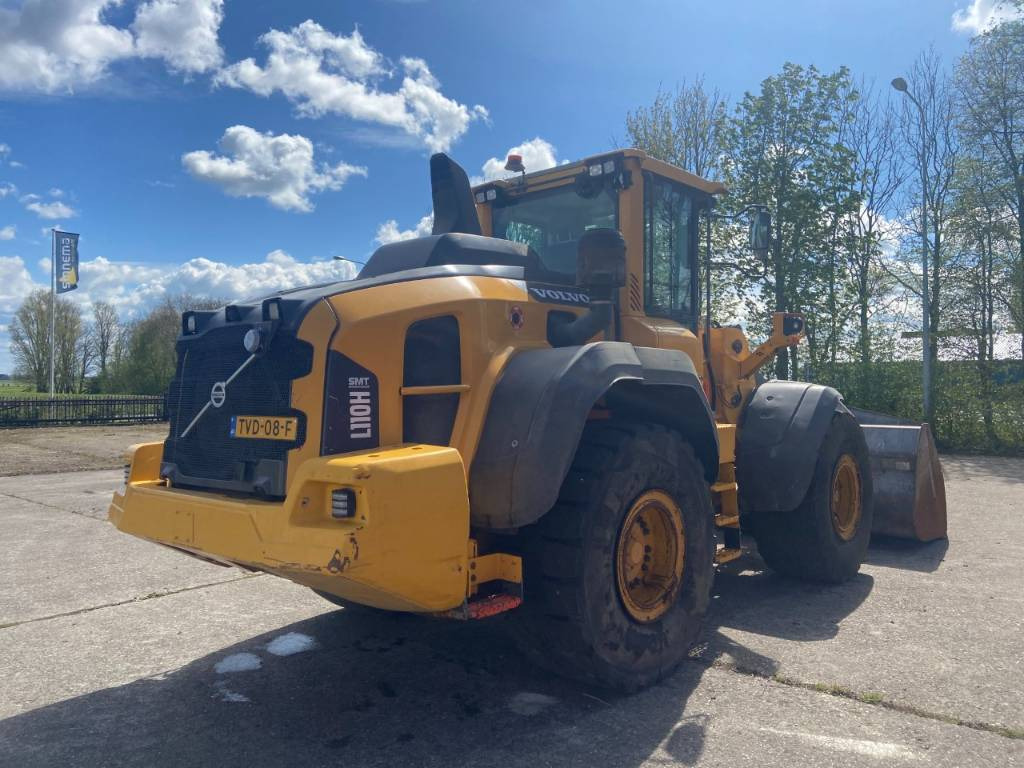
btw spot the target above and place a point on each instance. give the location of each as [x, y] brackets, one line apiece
[826, 537]
[589, 613]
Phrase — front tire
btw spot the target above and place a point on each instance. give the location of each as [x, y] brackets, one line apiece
[618, 574]
[826, 537]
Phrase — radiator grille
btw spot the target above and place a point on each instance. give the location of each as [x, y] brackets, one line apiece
[208, 456]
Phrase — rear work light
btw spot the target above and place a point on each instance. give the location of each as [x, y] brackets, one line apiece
[343, 503]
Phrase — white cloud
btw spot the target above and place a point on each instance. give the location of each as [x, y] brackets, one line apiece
[59, 45]
[388, 232]
[6, 188]
[279, 270]
[134, 288]
[278, 168]
[323, 73]
[5, 150]
[181, 32]
[15, 283]
[51, 45]
[537, 153]
[982, 15]
[52, 210]
[9, 232]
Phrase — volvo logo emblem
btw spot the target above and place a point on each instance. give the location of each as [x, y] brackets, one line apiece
[217, 394]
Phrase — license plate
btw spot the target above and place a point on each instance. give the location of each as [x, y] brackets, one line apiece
[265, 427]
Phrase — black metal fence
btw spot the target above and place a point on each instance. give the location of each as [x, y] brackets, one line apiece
[43, 412]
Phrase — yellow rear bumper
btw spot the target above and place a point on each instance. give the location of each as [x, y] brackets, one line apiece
[407, 548]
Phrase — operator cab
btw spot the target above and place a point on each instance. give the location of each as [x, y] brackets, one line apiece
[656, 207]
[535, 221]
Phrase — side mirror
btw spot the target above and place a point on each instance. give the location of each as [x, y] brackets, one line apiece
[601, 263]
[761, 232]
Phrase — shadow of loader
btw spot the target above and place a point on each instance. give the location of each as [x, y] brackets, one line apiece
[380, 689]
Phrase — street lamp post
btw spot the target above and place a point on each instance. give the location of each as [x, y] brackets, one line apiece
[926, 337]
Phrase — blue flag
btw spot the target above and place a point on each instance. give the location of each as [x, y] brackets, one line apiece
[65, 248]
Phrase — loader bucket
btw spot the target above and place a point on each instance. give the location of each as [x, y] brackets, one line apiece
[910, 493]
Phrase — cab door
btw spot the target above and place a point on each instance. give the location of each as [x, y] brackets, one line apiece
[665, 285]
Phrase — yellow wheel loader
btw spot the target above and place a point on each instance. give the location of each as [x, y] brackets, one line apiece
[523, 413]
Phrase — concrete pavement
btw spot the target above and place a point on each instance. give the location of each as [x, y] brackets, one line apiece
[117, 652]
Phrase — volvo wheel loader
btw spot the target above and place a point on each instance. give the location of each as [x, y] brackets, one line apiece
[523, 413]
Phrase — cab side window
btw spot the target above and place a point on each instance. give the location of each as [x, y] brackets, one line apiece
[668, 249]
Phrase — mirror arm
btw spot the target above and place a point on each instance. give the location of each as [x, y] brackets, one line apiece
[780, 339]
[741, 212]
[745, 272]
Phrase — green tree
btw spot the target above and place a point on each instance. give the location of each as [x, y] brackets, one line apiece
[146, 362]
[878, 175]
[30, 339]
[784, 151]
[30, 342]
[684, 127]
[983, 236]
[105, 327]
[990, 95]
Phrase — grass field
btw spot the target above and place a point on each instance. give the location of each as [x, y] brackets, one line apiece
[23, 390]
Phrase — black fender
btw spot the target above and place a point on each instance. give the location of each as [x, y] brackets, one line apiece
[780, 431]
[540, 406]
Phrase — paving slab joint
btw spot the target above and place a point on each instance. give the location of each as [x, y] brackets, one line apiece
[872, 698]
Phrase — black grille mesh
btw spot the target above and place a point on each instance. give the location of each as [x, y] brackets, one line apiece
[209, 452]
[432, 357]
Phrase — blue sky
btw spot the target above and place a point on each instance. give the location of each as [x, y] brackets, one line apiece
[196, 152]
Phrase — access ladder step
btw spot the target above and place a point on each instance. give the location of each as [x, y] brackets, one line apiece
[484, 607]
[727, 554]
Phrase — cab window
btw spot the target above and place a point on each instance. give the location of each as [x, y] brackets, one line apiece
[552, 222]
[669, 249]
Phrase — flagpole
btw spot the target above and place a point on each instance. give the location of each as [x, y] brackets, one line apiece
[53, 299]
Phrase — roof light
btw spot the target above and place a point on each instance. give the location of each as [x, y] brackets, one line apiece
[481, 197]
[188, 323]
[492, 194]
[609, 166]
[515, 164]
[272, 309]
[595, 170]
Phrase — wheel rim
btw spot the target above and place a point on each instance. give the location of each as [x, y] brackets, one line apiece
[650, 556]
[846, 506]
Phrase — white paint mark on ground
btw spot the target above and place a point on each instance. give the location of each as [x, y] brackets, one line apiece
[238, 662]
[879, 749]
[293, 642]
[230, 696]
[527, 703]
